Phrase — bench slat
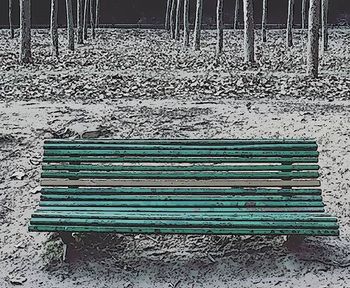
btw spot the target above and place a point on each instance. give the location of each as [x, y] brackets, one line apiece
[181, 168]
[178, 183]
[162, 230]
[145, 159]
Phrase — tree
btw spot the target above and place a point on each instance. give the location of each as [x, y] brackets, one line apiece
[70, 24]
[325, 25]
[12, 31]
[92, 19]
[80, 21]
[264, 21]
[219, 27]
[25, 31]
[86, 18]
[236, 14]
[53, 28]
[303, 14]
[197, 25]
[97, 13]
[167, 15]
[186, 23]
[172, 19]
[313, 39]
[248, 31]
[177, 23]
[289, 38]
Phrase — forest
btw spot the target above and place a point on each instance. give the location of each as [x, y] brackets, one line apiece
[172, 69]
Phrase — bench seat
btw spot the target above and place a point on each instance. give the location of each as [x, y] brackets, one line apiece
[221, 187]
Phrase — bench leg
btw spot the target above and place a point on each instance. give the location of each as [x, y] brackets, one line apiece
[294, 241]
[68, 245]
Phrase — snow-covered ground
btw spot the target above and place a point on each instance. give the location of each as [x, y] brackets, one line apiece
[139, 84]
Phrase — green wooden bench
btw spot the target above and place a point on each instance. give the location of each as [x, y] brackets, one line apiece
[222, 187]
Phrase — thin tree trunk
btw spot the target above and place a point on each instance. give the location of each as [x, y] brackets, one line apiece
[172, 19]
[97, 13]
[167, 15]
[177, 23]
[12, 31]
[236, 14]
[186, 23]
[80, 20]
[197, 25]
[248, 31]
[325, 25]
[219, 27]
[303, 14]
[53, 28]
[92, 19]
[313, 39]
[264, 21]
[25, 27]
[289, 39]
[70, 24]
[86, 18]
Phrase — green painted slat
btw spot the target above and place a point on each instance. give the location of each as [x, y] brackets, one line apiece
[242, 216]
[223, 198]
[184, 203]
[184, 223]
[201, 152]
[179, 175]
[104, 146]
[180, 191]
[58, 159]
[184, 141]
[160, 230]
[181, 168]
[183, 209]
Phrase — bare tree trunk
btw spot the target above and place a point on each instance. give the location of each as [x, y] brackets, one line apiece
[313, 40]
[172, 19]
[177, 23]
[197, 25]
[80, 21]
[25, 27]
[289, 39]
[264, 21]
[186, 23]
[92, 19]
[236, 14]
[12, 31]
[325, 25]
[97, 13]
[219, 27]
[167, 15]
[70, 24]
[53, 28]
[303, 14]
[86, 19]
[248, 31]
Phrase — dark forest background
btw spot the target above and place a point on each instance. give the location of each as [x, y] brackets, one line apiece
[153, 11]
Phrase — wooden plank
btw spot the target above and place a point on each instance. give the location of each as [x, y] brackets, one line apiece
[184, 141]
[180, 168]
[97, 197]
[162, 230]
[184, 209]
[178, 183]
[242, 216]
[179, 191]
[183, 223]
[247, 146]
[188, 203]
[180, 175]
[194, 152]
[84, 159]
